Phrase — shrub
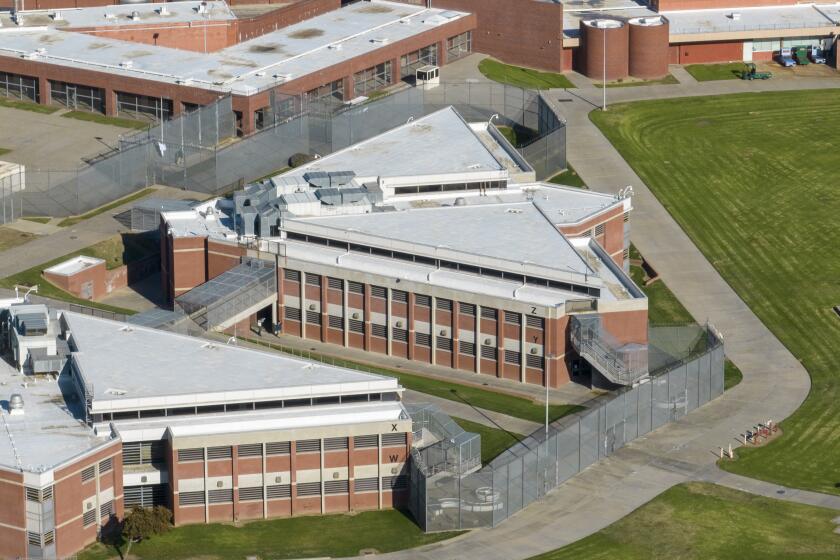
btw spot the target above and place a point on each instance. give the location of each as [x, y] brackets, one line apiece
[300, 159]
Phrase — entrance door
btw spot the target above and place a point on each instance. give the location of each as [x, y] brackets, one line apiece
[71, 97]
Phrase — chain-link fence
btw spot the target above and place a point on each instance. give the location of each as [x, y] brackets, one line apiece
[199, 150]
[449, 500]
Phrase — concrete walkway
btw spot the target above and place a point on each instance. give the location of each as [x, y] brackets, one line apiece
[774, 383]
[479, 415]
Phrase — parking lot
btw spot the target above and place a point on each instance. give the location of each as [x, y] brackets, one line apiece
[42, 141]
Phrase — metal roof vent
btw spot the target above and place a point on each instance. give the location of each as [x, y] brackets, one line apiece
[15, 404]
[57, 16]
[335, 46]
[135, 15]
[163, 11]
[109, 15]
[460, 201]
[380, 40]
[127, 64]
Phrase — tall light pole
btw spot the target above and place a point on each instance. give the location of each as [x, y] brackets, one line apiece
[604, 104]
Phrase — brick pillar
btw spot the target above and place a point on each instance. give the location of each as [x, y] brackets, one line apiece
[293, 481]
[43, 91]
[177, 107]
[349, 89]
[234, 480]
[410, 325]
[351, 480]
[281, 289]
[455, 350]
[366, 318]
[324, 305]
[395, 70]
[441, 46]
[247, 121]
[500, 343]
[110, 102]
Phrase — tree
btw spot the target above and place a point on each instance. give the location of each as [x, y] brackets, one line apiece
[143, 523]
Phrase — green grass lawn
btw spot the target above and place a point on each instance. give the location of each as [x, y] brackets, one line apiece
[27, 106]
[699, 521]
[517, 135]
[73, 220]
[468, 394]
[102, 119]
[493, 440]
[526, 78]
[709, 72]
[37, 219]
[12, 238]
[667, 80]
[299, 537]
[4, 151]
[115, 251]
[569, 178]
[752, 180]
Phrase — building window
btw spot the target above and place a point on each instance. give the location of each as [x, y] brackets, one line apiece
[366, 485]
[335, 322]
[291, 275]
[313, 280]
[422, 339]
[292, 313]
[513, 318]
[327, 93]
[422, 301]
[16, 86]
[146, 496]
[221, 452]
[335, 283]
[378, 292]
[373, 78]
[191, 498]
[488, 352]
[223, 496]
[399, 335]
[389, 440]
[275, 491]
[409, 63]
[371, 440]
[313, 317]
[89, 517]
[76, 96]
[143, 107]
[308, 446]
[251, 494]
[444, 304]
[488, 313]
[336, 487]
[106, 465]
[599, 229]
[195, 454]
[278, 448]
[309, 489]
[466, 309]
[534, 361]
[106, 509]
[534, 322]
[394, 482]
[88, 474]
[399, 296]
[467, 348]
[356, 288]
[249, 450]
[459, 46]
[444, 343]
[335, 444]
[513, 357]
[379, 330]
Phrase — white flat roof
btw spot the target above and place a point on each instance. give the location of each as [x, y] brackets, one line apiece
[439, 143]
[74, 265]
[131, 367]
[515, 232]
[121, 15]
[50, 431]
[776, 18]
[248, 67]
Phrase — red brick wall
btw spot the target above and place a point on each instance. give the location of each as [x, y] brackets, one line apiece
[12, 515]
[196, 36]
[520, 32]
[277, 19]
[694, 53]
[663, 5]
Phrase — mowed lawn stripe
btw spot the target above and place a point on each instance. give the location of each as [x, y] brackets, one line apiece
[751, 178]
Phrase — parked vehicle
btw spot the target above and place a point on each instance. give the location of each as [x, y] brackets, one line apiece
[785, 58]
[751, 74]
[816, 55]
[801, 55]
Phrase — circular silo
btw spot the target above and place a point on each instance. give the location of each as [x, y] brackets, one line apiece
[648, 47]
[597, 35]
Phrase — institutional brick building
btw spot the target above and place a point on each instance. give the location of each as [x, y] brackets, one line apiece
[455, 257]
[195, 52]
[98, 424]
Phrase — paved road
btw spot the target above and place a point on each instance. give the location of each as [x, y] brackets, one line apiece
[774, 383]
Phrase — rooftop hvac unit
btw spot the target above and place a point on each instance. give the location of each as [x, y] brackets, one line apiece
[57, 16]
[427, 76]
[15, 404]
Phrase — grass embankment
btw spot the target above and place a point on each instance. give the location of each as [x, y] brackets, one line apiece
[333, 536]
[697, 521]
[10, 237]
[711, 72]
[73, 220]
[569, 178]
[27, 106]
[102, 119]
[667, 80]
[505, 403]
[493, 440]
[37, 219]
[526, 78]
[751, 178]
[4, 151]
[115, 251]
[517, 135]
